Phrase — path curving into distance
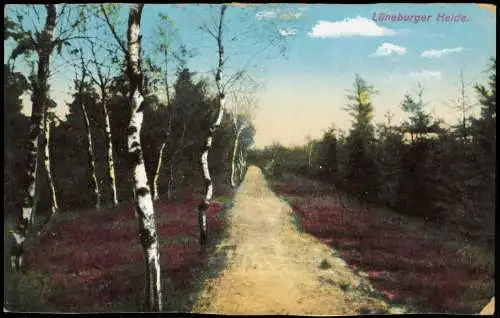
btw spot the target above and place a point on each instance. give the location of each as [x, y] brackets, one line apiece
[272, 268]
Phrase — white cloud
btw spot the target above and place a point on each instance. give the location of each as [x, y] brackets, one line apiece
[262, 15]
[440, 53]
[288, 32]
[358, 26]
[387, 49]
[426, 74]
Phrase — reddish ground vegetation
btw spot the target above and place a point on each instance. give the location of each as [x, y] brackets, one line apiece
[296, 187]
[97, 259]
[402, 265]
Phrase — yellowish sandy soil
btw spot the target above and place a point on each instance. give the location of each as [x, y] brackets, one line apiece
[274, 269]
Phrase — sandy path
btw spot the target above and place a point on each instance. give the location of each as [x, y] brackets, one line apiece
[274, 269]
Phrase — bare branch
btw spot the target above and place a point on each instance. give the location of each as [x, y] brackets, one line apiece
[113, 31]
[61, 13]
[103, 82]
[56, 69]
[204, 27]
[37, 13]
[59, 19]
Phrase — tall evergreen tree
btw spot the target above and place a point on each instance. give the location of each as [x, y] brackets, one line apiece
[361, 171]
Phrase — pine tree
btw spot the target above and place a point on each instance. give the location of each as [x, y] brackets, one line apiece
[361, 171]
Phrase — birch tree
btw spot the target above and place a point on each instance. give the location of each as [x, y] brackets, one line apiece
[48, 124]
[190, 108]
[43, 44]
[144, 202]
[243, 105]
[242, 163]
[164, 48]
[221, 36]
[102, 81]
[44, 156]
[80, 84]
[221, 98]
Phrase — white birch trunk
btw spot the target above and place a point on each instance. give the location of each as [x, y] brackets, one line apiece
[234, 160]
[90, 151]
[202, 208]
[144, 208]
[156, 176]
[110, 159]
[242, 165]
[39, 102]
[168, 139]
[52, 191]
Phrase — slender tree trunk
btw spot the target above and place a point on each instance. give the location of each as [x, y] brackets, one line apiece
[243, 163]
[39, 102]
[202, 208]
[234, 159]
[157, 172]
[144, 208]
[90, 151]
[170, 188]
[167, 88]
[52, 191]
[168, 138]
[309, 157]
[109, 145]
[237, 172]
[102, 83]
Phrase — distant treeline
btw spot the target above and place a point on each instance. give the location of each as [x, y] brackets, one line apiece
[192, 106]
[442, 175]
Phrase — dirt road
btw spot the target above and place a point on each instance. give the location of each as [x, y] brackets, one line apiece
[274, 269]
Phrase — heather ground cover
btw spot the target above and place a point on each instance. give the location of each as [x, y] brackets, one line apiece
[94, 261]
[407, 261]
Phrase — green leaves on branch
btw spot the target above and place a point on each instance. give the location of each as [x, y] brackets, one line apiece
[13, 30]
[409, 105]
[58, 45]
[24, 46]
[166, 20]
[165, 32]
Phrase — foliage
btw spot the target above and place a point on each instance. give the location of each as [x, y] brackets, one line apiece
[29, 292]
[445, 180]
[405, 265]
[441, 180]
[89, 276]
[361, 176]
[16, 127]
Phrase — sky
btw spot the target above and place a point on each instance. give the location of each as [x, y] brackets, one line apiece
[304, 92]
